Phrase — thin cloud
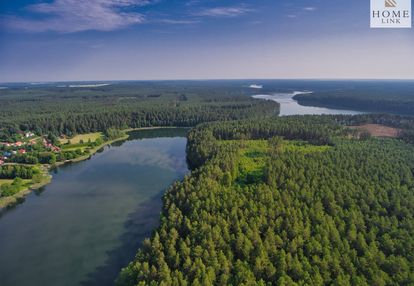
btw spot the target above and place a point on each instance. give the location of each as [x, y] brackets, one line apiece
[310, 9]
[68, 16]
[179, 22]
[223, 12]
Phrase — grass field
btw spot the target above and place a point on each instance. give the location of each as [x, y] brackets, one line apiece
[5, 181]
[74, 147]
[84, 137]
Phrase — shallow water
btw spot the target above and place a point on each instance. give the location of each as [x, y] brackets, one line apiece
[88, 223]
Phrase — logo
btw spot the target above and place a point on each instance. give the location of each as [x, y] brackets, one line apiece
[390, 3]
[391, 14]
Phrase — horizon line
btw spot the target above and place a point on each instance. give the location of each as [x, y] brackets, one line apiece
[207, 79]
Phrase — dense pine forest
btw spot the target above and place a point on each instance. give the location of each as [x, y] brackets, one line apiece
[286, 201]
[72, 110]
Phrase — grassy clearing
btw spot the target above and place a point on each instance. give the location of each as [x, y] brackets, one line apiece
[254, 155]
[5, 181]
[82, 137]
[253, 158]
[71, 147]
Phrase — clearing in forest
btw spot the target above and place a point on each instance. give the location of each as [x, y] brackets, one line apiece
[254, 155]
[82, 137]
[378, 130]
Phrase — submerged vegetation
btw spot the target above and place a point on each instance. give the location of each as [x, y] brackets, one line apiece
[288, 201]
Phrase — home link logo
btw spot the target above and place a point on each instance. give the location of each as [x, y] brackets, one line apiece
[390, 3]
[390, 14]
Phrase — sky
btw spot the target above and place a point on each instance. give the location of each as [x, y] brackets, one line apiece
[74, 40]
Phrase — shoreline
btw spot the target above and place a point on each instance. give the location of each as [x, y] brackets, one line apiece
[9, 202]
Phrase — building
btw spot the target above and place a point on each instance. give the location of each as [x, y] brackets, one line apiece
[55, 149]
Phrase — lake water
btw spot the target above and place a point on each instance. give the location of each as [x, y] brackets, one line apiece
[289, 106]
[88, 223]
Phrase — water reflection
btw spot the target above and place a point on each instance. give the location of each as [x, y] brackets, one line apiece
[88, 223]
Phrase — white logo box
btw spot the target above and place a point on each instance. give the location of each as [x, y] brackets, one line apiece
[391, 14]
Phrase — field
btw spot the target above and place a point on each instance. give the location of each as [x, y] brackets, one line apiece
[4, 181]
[82, 137]
[378, 130]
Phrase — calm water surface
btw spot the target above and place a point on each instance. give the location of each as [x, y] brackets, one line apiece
[289, 106]
[89, 222]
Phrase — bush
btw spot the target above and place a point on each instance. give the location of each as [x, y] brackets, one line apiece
[8, 190]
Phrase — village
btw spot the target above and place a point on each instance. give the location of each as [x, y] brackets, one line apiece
[29, 142]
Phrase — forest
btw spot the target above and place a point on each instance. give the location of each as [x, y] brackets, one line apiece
[68, 111]
[285, 201]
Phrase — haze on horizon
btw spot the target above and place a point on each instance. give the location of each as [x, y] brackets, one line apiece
[71, 40]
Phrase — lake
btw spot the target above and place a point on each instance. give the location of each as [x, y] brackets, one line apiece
[89, 222]
[289, 106]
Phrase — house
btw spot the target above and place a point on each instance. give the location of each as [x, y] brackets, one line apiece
[55, 149]
[22, 151]
[1, 162]
[29, 134]
[7, 154]
[18, 144]
[14, 152]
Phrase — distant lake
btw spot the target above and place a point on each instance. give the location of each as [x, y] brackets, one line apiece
[89, 222]
[289, 106]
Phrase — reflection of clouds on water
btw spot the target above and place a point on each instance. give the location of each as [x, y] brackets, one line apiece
[150, 153]
[95, 210]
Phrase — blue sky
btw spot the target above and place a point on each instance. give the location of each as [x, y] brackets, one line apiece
[197, 39]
